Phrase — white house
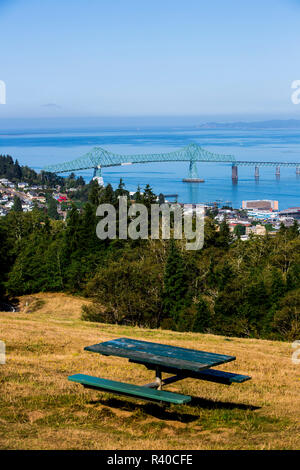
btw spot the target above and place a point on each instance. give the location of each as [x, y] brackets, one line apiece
[22, 185]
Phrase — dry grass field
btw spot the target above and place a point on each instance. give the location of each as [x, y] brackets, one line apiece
[41, 409]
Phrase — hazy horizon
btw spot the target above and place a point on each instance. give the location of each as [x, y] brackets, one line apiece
[133, 121]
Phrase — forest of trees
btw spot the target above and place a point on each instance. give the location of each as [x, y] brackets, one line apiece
[230, 287]
[15, 173]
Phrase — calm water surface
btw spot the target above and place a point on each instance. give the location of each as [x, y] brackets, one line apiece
[37, 148]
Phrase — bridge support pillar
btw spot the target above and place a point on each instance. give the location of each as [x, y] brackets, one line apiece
[193, 174]
[277, 173]
[297, 170]
[234, 173]
[98, 175]
[256, 172]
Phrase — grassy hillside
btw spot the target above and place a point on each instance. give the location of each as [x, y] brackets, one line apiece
[41, 409]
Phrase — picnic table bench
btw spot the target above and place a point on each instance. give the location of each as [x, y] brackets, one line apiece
[182, 362]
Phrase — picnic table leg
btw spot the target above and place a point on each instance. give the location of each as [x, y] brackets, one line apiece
[158, 378]
[159, 382]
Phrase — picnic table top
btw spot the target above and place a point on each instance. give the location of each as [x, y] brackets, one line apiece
[157, 354]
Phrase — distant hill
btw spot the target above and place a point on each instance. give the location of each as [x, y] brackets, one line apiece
[273, 124]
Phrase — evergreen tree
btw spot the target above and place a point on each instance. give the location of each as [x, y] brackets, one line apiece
[224, 275]
[202, 319]
[211, 276]
[282, 229]
[293, 277]
[286, 321]
[121, 191]
[94, 194]
[161, 199]
[293, 231]
[17, 206]
[80, 181]
[71, 180]
[225, 236]
[5, 255]
[175, 289]
[148, 197]
[72, 231]
[210, 233]
[37, 267]
[108, 196]
[17, 170]
[87, 238]
[256, 304]
[52, 209]
[137, 195]
[239, 230]
[278, 287]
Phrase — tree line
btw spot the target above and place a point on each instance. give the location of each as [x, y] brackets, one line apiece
[16, 173]
[230, 287]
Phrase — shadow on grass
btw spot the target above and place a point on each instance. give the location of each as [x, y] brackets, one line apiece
[167, 412]
[221, 405]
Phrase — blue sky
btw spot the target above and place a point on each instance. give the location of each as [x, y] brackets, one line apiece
[145, 58]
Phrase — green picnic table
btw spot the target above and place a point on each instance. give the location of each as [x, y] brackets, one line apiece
[161, 358]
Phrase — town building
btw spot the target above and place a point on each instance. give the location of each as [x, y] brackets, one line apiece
[293, 212]
[260, 205]
[22, 185]
[256, 230]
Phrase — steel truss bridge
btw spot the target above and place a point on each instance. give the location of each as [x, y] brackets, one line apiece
[100, 158]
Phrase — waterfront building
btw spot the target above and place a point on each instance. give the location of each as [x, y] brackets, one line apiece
[260, 205]
[293, 212]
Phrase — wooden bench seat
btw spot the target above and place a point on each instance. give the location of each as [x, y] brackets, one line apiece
[131, 390]
[221, 377]
[211, 375]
